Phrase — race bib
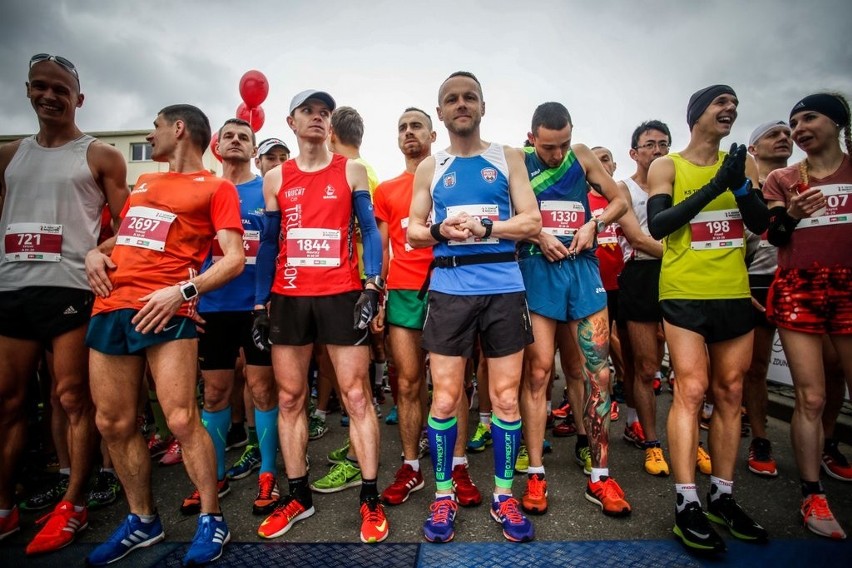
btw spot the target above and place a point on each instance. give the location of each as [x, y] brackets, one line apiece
[838, 207]
[478, 212]
[145, 227]
[33, 242]
[562, 218]
[313, 248]
[609, 236]
[404, 224]
[251, 244]
[712, 230]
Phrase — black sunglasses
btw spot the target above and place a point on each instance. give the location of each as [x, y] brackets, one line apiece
[67, 65]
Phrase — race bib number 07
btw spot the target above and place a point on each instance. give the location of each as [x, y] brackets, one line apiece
[33, 242]
[713, 230]
[313, 248]
[251, 244]
[838, 207]
[145, 227]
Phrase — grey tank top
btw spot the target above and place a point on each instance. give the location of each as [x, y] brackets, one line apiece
[51, 216]
[639, 197]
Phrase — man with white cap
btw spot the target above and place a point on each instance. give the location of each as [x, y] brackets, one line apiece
[270, 153]
[312, 202]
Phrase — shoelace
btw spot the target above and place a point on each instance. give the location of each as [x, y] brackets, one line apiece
[509, 510]
[441, 510]
[610, 489]
[535, 487]
[818, 506]
[266, 488]
[289, 509]
[373, 514]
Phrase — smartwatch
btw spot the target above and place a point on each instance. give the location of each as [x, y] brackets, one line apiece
[489, 226]
[187, 290]
[376, 281]
[599, 225]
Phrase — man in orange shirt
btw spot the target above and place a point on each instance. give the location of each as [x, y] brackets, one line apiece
[147, 285]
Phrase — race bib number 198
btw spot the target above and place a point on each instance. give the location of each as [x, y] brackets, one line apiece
[713, 230]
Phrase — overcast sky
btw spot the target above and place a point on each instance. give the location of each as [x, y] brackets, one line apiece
[612, 63]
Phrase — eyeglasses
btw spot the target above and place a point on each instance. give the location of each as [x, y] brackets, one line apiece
[651, 145]
[67, 65]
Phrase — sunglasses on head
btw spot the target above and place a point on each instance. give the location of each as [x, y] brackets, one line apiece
[67, 65]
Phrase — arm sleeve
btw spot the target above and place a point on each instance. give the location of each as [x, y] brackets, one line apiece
[781, 226]
[754, 212]
[370, 236]
[266, 255]
[664, 219]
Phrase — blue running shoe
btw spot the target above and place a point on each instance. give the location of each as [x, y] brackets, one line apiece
[440, 525]
[516, 527]
[393, 417]
[209, 540]
[129, 536]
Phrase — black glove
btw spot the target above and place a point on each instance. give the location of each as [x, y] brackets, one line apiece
[731, 174]
[366, 308]
[260, 329]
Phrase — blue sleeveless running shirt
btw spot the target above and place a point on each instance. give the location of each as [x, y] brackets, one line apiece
[478, 185]
[563, 199]
[238, 294]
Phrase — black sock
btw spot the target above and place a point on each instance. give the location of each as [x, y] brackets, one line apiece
[811, 488]
[369, 489]
[300, 490]
[582, 441]
[652, 444]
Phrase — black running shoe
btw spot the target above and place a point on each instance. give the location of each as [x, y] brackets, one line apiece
[695, 532]
[725, 511]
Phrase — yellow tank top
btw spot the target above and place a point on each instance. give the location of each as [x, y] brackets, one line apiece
[705, 259]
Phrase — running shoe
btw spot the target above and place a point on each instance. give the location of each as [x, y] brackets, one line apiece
[392, 417]
[546, 447]
[522, 462]
[819, 518]
[10, 524]
[130, 535]
[173, 455]
[725, 511]
[608, 495]
[47, 498]
[564, 429]
[192, 504]
[248, 462]
[634, 434]
[267, 494]
[158, 446]
[563, 411]
[467, 494]
[237, 436]
[288, 512]
[423, 446]
[760, 460]
[440, 524]
[834, 463]
[209, 541]
[657, 385]
[61, 526]
[516, 527]
[378, 408]
[105, 490]
[534, 500]
[550, 420]
[695, 531]
[374, 523]
[614, 414]
[481, 438]
[583, 457]
[339, 455]
[406, 481]
[618, 392]
[341, 476]
[702, 460]
[316, 428]
[655, 462]
[704, 420]
[344, 419]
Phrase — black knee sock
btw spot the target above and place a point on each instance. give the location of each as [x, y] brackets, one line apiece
[369, 489]
[300, 490]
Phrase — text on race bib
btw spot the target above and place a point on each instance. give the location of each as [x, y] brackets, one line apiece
[313, 248]
[713, 230]
[562, 218]
[145, 227]
[478, 212]
[33, 242]
[251, 244]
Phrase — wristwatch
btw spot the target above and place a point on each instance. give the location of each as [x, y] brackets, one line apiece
[187, 290]
[489, 226]
[376, 281]
[599, 225]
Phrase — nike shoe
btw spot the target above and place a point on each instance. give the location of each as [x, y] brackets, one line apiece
[374, 523]
[316, 428]
[339, 455]
[760, 460]
[819, 519]
[237, 436]
[481, 438]
[655, 463]
[341, 476]
[725, 511]
[130, 535]
[248, 462]
[694, 530]
[406, 481]
[267, 494]
[209, 541]
[607, 494]
[467, 494]
[702, 460]
[288, 512]
[173, 455]
[834, 463]
[440, 524]
[563, 410]
[11, 524]
[583, 457]
[48, 497]
[105, 490]
[61, 526]
[158, 446]
[634, 434]
[522, 462]
[393, 417]
[516, 527]
[534, 500]
[192, 504]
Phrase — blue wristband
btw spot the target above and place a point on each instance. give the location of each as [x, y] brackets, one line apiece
[743, 191]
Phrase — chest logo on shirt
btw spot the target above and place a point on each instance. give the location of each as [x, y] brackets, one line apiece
[450, 180]
[489, 175]
[329, 192]
[294, 193]
[198, 179]
[143, 187]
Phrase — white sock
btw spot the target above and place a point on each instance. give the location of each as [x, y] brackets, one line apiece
[485, 418]
[658, 375]
[631, 415]
[415, 464]
[686, 493]
[65, 471]
[147, 518]
[708, 409]
[459, 460]
[598, 472]
[719, 487]
[539, 469]
[549, 406]
[321, 414]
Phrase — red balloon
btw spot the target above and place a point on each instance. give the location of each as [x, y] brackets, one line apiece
[254, 88]
[255, 116]
[214, 143]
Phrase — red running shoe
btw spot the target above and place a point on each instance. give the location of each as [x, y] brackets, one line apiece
[406, 482]
[467, 494]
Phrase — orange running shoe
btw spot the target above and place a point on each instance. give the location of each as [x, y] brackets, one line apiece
[534, 500]
[60, 528]
[374, 524]
[609, 496]
[282, 519]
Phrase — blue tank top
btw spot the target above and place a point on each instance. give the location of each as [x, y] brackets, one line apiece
[238, 294]
[557, 191]
[478, 185]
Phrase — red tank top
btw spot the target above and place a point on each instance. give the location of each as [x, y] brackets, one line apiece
[317, 255]
[608, 251]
